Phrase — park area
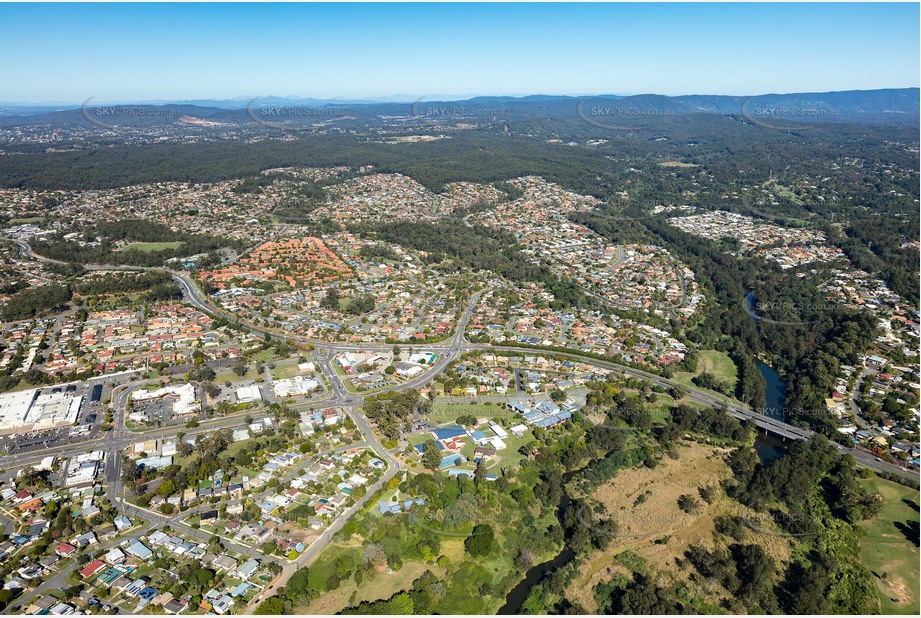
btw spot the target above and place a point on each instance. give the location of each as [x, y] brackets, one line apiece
[889, 549]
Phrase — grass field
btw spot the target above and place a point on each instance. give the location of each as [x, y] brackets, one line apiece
[383, 586]
[229, 376]
[148, 247]
[321, 570]
[13, 222]
[443, 412]
[663, 404]
[643, 520]
[783, 192]
[262, 356]
[135, 427]
[711, 361]
[284, 371]
[885, 550]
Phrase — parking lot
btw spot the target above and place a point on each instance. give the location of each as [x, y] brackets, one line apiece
[90, 417]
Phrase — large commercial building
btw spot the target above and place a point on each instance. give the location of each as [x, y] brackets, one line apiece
[293, 387]
[38, 408]
[186, 403]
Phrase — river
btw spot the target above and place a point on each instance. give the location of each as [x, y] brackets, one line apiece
[519, 594]
[766, 446]
[775, 392]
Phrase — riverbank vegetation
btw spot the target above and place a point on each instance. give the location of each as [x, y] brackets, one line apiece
[806, 336]
[735, 535]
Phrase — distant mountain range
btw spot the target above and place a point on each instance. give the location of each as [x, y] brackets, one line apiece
[888, 106]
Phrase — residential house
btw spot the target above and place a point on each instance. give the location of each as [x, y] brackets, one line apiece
[92, 568]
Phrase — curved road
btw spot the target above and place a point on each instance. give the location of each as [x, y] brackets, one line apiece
[449, 350]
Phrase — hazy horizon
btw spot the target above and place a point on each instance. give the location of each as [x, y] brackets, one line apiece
[410, 98]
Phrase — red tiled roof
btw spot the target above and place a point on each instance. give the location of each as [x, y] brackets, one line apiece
[64, 549]
[93, 567]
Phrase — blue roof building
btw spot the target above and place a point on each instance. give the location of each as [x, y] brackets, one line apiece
[446, 433]
[553, 419]
[240, 590]
[148, 593]
[519, 407]
[421, 447]
[139, 550]
[548, 407]
[533, 416]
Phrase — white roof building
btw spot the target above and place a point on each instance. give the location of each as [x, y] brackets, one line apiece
[292, 387]
[249, 394]
[498, 430]
[185, 397]
[519, 429]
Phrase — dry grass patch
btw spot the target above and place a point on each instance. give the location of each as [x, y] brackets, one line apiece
[645, 504]
[383, 586]
[453, 549]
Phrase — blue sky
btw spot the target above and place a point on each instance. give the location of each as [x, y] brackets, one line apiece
[125, 52]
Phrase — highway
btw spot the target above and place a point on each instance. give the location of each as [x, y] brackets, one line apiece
[448, 351]
[114, 442]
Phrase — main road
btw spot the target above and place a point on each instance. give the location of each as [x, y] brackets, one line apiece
[447, 351]
[457, 344]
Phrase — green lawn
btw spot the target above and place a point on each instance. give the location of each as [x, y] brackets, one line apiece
[884, 549]
[663, 404]
[149, 247]
[784, 192]
[13, 222]
[285, 371]
[262, 356]
[443, 412]
[230, 376]
[134, 427]
[325, 566]
[717, 363]
[420, 438]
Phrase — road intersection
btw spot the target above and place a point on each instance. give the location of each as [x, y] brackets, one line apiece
[114, 442]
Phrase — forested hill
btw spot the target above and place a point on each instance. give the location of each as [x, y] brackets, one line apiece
[539, 147]
[886, 106]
